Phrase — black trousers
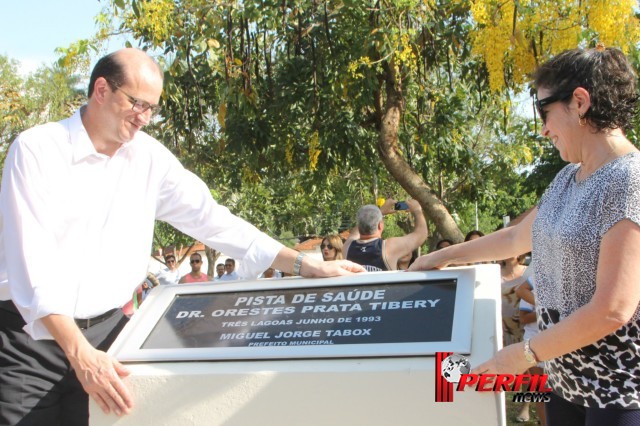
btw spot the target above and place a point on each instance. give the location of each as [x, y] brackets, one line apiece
[37, 384]
[560, 412]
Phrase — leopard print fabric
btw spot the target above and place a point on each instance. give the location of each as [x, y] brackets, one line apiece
[571, 222]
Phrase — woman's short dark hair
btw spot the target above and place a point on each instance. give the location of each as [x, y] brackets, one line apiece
[472, 233]
[605, 73]
[111, 69]
[443, 241]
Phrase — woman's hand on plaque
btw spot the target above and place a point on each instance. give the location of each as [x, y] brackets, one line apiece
[430, 261]
[508, 360]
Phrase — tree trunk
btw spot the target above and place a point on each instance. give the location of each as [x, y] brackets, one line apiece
[398, 166]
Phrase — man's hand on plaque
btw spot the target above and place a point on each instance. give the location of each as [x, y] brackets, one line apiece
[333, 268]
[101, 377]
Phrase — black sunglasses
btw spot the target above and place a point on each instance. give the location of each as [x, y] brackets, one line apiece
[329, 246]
[195, 261]
[541, 103]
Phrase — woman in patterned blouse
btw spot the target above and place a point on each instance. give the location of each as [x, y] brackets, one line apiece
[585, 238]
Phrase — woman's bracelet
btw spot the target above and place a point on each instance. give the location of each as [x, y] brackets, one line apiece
[297, 264]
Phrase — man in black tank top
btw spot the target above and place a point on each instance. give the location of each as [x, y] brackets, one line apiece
[365, 245]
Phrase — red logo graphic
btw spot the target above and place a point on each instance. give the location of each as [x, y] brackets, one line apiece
[444, 388]
[453, 368]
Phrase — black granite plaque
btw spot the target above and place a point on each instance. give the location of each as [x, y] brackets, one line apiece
[409, 312]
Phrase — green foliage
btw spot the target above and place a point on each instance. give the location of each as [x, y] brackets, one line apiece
[280, 106]
[634, 133]
[13, 110]
[53, 93]
[49, 94]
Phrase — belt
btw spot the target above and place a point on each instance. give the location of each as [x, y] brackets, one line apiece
[90, 322]
[9, 306]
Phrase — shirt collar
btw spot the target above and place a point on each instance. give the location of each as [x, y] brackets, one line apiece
[81, 144]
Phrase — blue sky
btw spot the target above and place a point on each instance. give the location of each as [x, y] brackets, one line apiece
[30, 30]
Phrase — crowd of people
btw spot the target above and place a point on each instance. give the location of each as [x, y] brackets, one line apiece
[226, 271]
[365, 246]
[575, 314]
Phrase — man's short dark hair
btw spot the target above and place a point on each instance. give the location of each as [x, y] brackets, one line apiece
[196, 254]
[110, 69]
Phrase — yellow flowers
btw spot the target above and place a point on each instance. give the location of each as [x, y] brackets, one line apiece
[222, 115]
[250, 175]
[354, 67]
[492, 39]
[155, 20]
[288, 152]
[314, 151]
[610, 20]
[513, 36]
[405, 53]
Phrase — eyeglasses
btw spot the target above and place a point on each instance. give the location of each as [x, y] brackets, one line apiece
[170, 261]
[541, 103]
[195, 261]
[329, 246]
[137, 105]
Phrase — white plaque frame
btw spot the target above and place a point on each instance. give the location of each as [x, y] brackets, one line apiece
[128, 345]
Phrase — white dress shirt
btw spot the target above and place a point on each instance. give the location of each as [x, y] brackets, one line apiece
[230, 277]
[166, 276]
[66, 207]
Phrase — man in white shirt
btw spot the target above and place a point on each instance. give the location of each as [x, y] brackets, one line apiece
[74, 193]
[219, 272]
[170, 274]
[230, 271]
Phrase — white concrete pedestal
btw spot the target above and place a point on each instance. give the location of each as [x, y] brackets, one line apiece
[342, 391]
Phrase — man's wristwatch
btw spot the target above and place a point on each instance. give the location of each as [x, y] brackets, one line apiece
[297, 264]
[529, 355]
